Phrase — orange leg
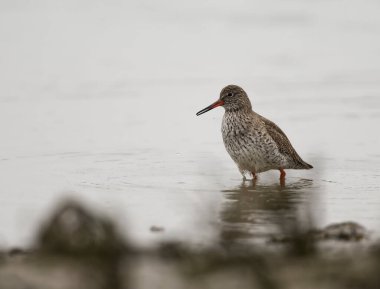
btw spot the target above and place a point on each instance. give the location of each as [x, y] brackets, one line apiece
[282, 178]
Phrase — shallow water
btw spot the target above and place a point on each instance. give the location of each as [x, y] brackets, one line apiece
[99, 102]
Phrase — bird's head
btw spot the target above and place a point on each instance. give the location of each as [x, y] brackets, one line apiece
[232, 98]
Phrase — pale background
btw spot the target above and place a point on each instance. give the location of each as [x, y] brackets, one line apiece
[98, 102]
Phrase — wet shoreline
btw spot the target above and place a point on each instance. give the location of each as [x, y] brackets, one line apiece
[86, 250]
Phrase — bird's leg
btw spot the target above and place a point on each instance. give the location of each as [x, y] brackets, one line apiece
[243, 174]
[282, 178]
[254, 179]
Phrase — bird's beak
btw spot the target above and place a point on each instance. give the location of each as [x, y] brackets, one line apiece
[210, 107]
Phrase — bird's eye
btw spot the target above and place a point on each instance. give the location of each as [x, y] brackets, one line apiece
[229, 94]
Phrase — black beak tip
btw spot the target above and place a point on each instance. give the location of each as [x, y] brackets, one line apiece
[201, 112]
[206, 109]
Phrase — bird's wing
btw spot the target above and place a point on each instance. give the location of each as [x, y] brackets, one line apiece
[282, 141]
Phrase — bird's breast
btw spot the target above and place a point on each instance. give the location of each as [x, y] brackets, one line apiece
[239, 135]
[235, 126]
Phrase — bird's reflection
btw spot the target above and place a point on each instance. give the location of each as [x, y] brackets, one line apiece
[251, 211]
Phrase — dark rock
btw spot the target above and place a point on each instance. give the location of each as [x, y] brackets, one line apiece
[346, 231]
[73, 229]
[16, 252]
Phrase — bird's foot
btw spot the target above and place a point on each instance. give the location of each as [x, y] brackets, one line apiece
[243, 173]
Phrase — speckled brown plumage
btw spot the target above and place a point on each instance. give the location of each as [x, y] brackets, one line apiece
[255, 143]
[284, 145]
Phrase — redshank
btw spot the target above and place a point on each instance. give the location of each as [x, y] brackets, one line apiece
[255, 143]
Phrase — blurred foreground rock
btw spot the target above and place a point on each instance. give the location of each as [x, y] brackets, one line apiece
[74, 249]
[77, 249]
[346, 231]
[74, 230]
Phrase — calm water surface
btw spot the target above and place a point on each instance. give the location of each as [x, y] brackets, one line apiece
[101, 108]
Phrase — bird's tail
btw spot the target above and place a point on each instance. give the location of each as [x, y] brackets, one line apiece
[304, 165]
